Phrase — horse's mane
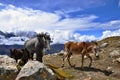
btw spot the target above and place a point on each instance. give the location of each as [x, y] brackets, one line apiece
[40, 35]
[45, 35]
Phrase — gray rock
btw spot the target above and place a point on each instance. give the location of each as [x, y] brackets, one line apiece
[118, 60]
[34, 70]
[115, 53]
[8, 69]
[116, 74]
[103, 45]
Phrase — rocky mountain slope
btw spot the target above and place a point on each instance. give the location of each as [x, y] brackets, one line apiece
[106, 68]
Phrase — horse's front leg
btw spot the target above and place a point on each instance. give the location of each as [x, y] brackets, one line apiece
[39, 55]
[83, 53]
[63, 63]
[90, 60]
[68, 58]
[82, 61]
[31, 56]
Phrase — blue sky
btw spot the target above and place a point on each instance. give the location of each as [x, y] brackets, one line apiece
[77, 18]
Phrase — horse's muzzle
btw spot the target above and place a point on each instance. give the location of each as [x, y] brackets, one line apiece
[48, 49]
[97, 57]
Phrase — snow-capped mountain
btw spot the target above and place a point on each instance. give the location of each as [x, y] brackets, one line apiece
[7, 35]
[17, 39]
[29, 34]
[13, 38]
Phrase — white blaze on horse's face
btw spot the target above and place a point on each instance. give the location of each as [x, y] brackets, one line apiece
[96, 49]
[48, 45]
[96, 52]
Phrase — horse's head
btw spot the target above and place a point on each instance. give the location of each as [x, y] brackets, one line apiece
[12, 53]
[44, 38]
[96, 48]
[47, 41]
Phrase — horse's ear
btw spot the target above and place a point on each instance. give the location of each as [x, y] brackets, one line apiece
[95, 42]
[46, 33]
[38, 35]
[48, 37]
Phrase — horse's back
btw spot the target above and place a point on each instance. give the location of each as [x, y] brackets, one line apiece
[30, 44]
[74, 47]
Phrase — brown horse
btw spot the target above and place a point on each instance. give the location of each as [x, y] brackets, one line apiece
[83, 48]
[16, 53]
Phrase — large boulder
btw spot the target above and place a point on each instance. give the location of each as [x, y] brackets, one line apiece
[8, 69]
[115, 53]
[118, 60]
[34, 70]
[103, 45]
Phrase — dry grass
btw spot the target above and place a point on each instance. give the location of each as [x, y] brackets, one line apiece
[101, 69]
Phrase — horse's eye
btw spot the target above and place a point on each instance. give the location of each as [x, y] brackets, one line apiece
[51, 41]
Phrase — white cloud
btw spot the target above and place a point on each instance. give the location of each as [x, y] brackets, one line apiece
[22, 19]
[14, 19]
[115, 24]
[87, 38]
[1, 4]
[65, 12]
[80, 23]
[28, 19]
[64, 36]
[119, 3]
[13, 40]
[109, 33]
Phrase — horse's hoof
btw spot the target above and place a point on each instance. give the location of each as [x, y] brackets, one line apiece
[89, 66]
[81, 67]
[62, 66]
[73, 65]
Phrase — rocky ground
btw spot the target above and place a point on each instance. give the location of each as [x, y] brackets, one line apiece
[106, 68]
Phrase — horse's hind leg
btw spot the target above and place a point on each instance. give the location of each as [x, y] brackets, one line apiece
[39, 56]
[64, 56]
